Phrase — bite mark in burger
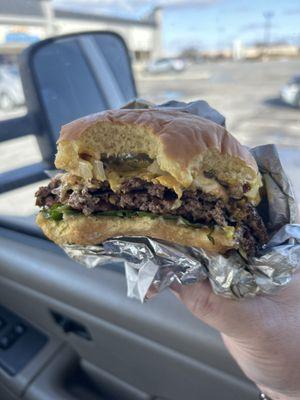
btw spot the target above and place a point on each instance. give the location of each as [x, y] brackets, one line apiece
[165, 174]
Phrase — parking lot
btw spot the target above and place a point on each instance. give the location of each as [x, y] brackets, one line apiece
[245, 92]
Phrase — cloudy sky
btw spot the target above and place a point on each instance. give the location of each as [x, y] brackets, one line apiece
[206, 24]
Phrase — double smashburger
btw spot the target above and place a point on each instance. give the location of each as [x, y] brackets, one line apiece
[160, 173]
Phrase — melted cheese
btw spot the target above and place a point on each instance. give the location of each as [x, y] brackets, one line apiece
[169, 182]
[253, 194]
[152, 173]
[210, 186]
[117, 178]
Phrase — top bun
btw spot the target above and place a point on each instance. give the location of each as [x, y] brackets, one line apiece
[184, 145]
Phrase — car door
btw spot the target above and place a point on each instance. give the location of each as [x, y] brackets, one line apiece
[67, 332]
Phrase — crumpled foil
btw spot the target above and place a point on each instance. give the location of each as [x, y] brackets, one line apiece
[152, 265]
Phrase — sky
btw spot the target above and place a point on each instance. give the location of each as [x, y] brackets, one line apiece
[206, 24]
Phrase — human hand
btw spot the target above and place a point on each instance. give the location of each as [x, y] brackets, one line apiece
[261, 333]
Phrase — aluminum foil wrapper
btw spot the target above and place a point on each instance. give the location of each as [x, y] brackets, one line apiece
[152, 265]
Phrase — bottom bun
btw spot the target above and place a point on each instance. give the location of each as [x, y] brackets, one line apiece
[83, 230]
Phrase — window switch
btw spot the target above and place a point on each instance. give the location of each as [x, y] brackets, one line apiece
[2, 323]
[4, 342]
[19, 329]
[19, 342]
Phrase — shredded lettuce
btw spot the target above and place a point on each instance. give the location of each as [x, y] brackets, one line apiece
[57, 211]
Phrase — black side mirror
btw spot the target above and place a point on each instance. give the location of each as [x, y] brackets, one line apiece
[64, 78]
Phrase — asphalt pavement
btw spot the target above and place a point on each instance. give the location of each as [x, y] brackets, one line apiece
[246, 93]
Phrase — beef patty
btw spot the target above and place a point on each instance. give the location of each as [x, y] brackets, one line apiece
[137, 194]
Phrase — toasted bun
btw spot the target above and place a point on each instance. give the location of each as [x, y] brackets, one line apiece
[183, 144]
[94, 230]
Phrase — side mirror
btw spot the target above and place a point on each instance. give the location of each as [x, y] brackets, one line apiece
[65, 78]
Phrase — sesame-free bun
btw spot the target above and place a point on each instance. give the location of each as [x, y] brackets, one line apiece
[92, 230]
[184, 145]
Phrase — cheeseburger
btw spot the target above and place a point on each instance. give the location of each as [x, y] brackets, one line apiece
[160, 173]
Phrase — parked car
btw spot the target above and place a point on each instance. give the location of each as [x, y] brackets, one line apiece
[11, 92]
[290, 93]
[166, 65]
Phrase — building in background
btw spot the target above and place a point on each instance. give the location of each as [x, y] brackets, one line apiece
[24, 22]
[263, 51]
[238, 51]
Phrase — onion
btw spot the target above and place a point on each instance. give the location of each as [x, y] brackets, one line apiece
[85, 170]
[98, 170]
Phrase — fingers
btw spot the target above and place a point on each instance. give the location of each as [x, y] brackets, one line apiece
[247, 318]
[199, 299]
[228, 316]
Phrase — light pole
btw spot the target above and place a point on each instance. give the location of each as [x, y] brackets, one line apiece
[157, 39]
[49, 17]
[268, 15]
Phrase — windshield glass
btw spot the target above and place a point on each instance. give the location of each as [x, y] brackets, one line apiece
[242, 57]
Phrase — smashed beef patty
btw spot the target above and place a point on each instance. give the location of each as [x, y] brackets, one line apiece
[137, 194]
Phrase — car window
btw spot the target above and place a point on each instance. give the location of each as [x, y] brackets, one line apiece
[239, 57]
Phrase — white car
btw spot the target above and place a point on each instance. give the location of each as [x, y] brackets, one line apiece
[11, 92]
[290, 93]
[166, 65]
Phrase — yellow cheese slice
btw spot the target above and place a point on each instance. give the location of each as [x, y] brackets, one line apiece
[210, 186]
[169, 182]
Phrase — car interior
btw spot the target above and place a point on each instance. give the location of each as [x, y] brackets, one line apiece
[68, 332]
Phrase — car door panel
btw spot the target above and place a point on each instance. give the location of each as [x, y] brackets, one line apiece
[157, 347]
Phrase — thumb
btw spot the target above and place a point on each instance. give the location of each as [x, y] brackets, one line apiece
[232, 317]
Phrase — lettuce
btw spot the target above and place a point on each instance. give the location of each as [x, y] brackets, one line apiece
[57, 211]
